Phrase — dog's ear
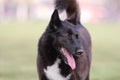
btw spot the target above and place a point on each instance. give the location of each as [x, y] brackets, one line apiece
[75, 18]
[55, 21]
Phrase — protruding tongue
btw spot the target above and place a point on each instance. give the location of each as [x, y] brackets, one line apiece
[70, 59]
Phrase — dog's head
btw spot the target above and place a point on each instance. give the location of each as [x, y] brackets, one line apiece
[65, 38]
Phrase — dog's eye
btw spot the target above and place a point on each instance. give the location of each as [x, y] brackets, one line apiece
[77, 37]
[70, 32]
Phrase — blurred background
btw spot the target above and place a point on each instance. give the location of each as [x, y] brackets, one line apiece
[22, 22]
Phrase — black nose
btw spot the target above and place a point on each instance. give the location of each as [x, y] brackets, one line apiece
[79, 51]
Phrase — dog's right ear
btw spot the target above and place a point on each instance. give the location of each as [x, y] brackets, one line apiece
[55, 21]
[75, 18]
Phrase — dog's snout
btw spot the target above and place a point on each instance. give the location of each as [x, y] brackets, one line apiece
[79, 51]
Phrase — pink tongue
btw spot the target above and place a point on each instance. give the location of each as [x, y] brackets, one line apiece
[70, 59]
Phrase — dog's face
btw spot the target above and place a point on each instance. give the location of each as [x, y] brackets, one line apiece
[68, 37]
[65, 38]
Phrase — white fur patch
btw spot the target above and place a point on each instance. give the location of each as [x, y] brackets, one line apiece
[53, 72]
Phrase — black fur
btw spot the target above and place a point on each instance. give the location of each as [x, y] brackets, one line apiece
[69, 34]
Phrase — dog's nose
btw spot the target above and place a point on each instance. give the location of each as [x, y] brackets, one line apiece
[79, 51]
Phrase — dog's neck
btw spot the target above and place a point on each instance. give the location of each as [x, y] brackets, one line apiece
[54, 66]
[55, 72]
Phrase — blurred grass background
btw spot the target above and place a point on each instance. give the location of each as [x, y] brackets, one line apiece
[18, 50]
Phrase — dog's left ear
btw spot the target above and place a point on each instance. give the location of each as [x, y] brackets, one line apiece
[74, 19]
[55, 21]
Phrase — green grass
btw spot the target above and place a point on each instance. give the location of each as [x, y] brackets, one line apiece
[18, 50]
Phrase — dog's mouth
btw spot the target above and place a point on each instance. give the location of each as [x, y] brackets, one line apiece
[68, 58]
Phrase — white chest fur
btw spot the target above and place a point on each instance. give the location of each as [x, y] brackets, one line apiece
[53, 72]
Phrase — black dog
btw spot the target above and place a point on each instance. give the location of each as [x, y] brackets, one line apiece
[64, 50]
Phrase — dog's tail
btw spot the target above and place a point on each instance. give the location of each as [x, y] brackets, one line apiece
[71, 7]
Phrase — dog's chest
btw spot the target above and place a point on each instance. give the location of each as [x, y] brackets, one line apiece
[53, 72]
